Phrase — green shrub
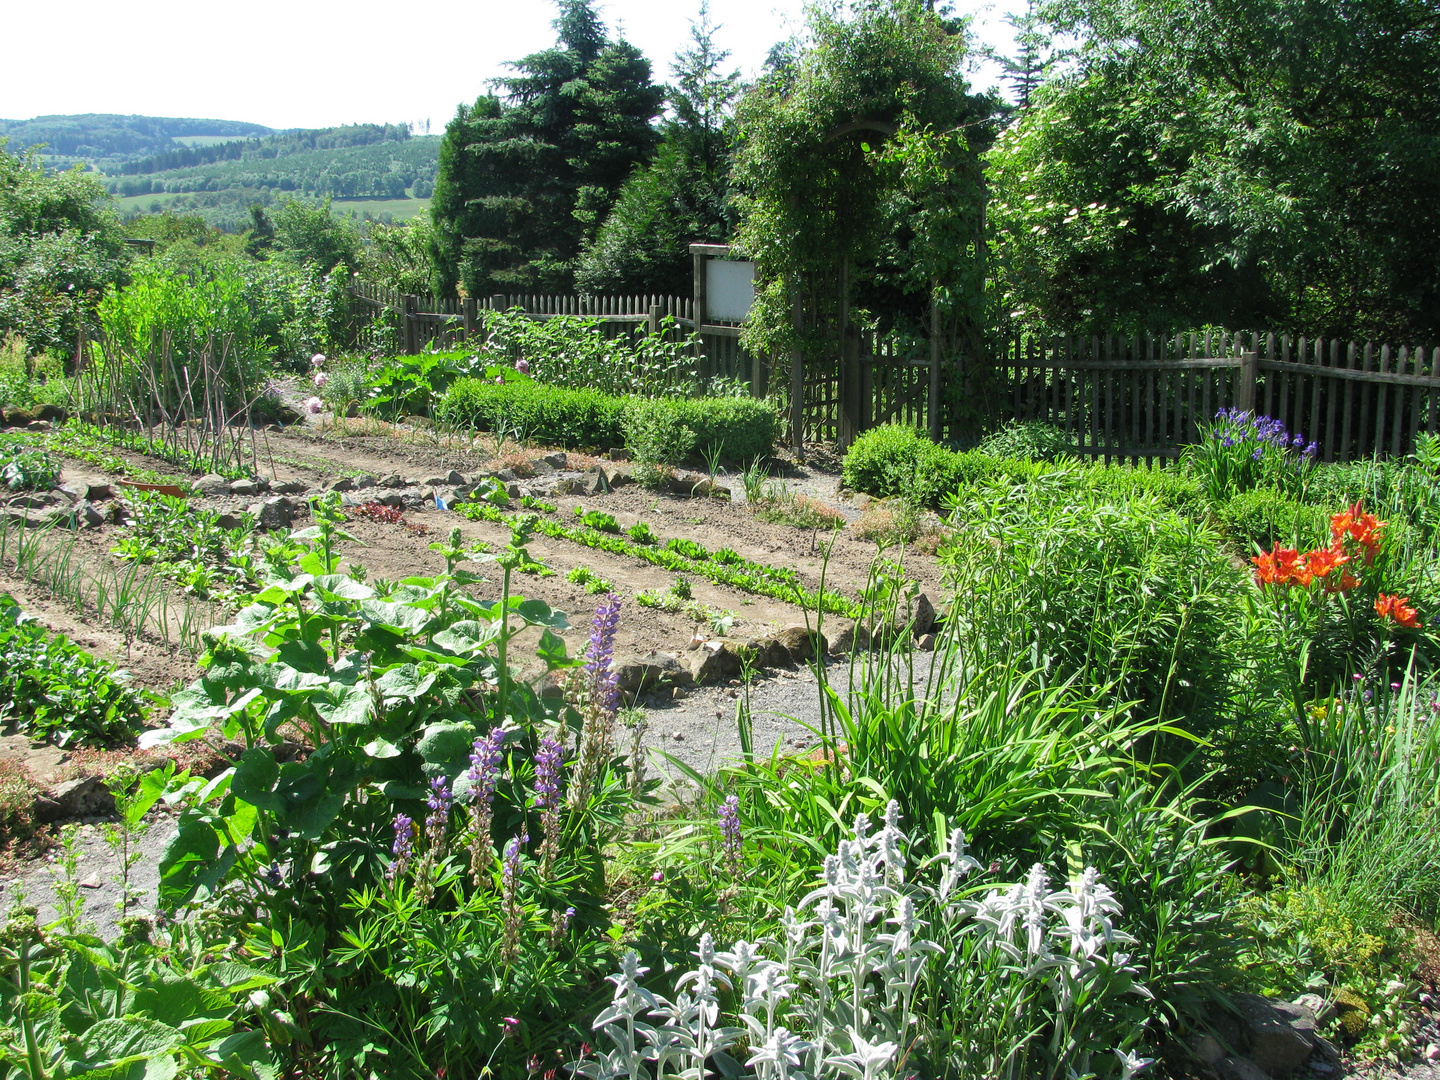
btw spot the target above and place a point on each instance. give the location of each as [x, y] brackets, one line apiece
[1029, 440]
[51, 689]
[882, 461]
[601, 521]
[668, 430]
[1263, 517]
[27, 468]
[1127, 596]
[546, 414]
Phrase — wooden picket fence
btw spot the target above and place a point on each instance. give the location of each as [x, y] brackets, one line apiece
[1143, 398]
[409, 323]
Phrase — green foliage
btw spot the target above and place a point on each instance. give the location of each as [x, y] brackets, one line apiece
[85, 1007]
[1124, 595]
[50, 689]
[668, 430]
[822, 180]
[547, 163]
[414, 385]
[1148, 188]
[312, 235]
[687, 547]
[680, 197]
[882, 461]
[642, 533]
[550, 415]
[575, 352]
[24, 467]
[600, 521]
[1032, 440]
[782, 583]
[61, 246]
[1260, 519]
[189, 546]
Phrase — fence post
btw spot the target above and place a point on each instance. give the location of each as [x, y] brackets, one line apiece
[652, 319]
[932, 394]
[1246, 381]
[410, 329]
[797, 381]
[701, 367]
[497, 302]
[469, 312]
[850, 408]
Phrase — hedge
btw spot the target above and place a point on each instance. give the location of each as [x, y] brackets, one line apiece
[895, 459]
[548, 414]
[657, 429]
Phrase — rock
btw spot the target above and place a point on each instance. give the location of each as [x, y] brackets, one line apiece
[792, 645]
[1322, 1010]
[709, 489]
[292, 487]
[35, 500]
[505, 476]
[99, 491]
[343, 483]
[46, 810]
[1325, 1050]
[570, 487]
[634, 674]
[921, 615]
[715, 661]
[392, 499]
[454, 495]
[678, 736]
[38, 425]
[926, 643]
[1275, 1046]
[861, 500]
[1239, 1068]
[244, 487]
[86, 795]
[394, 480]
[1432, 1052]
[364, 481]
[1301, 1018]
[455, 478]
[550, 685]
[89, 881]
[88, 515]
[275, 512]
[557, 460]
[541, 467]
[229, 521]
[852, 638]
[513, 491]
[1207, 1048]
[618, 453]
[212, 484]
[621, 477]
[596, 481]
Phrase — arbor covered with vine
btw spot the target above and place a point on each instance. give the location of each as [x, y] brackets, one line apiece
[860, 193]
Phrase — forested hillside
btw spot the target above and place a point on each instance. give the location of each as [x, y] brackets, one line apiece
[106, 140]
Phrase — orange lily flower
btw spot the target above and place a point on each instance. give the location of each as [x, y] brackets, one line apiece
[1398, 609]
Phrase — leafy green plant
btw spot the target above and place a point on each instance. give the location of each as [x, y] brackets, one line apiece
[1031, 440]
[1240, 451]
[594, 584]
[691, 549]
[416, 385]
[555, 416]
[1258, 519]
[600, 521]
[668, 430]
[53, 690]
[25, 468]
[642, 533]
[190, 546]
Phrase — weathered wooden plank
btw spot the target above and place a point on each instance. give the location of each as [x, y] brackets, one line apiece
[1383, 391]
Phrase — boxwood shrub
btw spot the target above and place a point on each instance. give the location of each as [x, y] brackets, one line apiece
[670, 430]
[656, 429]
[548, 414]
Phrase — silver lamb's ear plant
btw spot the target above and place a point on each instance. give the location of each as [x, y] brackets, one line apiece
[839, 997]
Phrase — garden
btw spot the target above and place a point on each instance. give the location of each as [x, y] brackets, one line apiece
[418, 716]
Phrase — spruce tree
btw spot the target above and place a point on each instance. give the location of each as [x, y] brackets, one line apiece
[683, 195]
[522, 187]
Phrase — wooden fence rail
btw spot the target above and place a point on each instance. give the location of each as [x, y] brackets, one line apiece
[1145, 397]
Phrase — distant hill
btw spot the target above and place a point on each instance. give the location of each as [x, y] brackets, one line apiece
[107, 140]
[220, 168]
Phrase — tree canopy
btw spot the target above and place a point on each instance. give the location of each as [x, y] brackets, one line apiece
[547, 157]
[1229, 162]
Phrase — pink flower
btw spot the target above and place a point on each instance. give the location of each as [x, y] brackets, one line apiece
[317, 359]
[499, 380]
[523, 366]
[314, 404]
[320, 380]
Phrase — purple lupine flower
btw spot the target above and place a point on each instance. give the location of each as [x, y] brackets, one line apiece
[600, 652]
[487, 756]
[404, 846]
[730, 833]
[438, 820]
[509, 896]
[548, 759]
[1227, 441]
[1258, 454]
[1311, 450]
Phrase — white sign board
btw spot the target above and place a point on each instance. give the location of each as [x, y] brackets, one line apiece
[729, 290]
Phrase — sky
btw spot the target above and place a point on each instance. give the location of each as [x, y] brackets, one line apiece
[320, 63]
